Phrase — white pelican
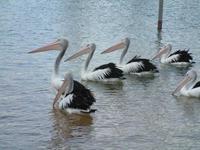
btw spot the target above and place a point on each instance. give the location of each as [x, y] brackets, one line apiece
[188, 86]
[73, 97]
[105, 73]
[178, 58]
[60, 45]
[136, 65]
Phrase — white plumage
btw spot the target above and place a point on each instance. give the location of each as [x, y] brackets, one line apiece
[190, 92]
[131, 67]
[65, 101]
[167, 60]
[56, 82]
[95, 75]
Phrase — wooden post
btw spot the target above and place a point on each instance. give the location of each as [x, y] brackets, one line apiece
[160, 15]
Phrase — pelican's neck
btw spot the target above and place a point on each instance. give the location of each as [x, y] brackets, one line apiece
[88, 59]
[165, 56]
[124, 53]
[67, 89]
[57, 62]
[70, 81]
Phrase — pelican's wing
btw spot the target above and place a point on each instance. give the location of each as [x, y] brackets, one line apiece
[138, 64]
[197, 85]
[82, 97]
[66, 101]
[180, 56]
[107, 71]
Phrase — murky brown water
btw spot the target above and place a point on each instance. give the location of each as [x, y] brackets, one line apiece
[138, 114]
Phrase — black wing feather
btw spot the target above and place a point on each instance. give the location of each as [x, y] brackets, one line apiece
[147, 65]
[114, 73]
[184, 56]
[197, 85]
[82, 97]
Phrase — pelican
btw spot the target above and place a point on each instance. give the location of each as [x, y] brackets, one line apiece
[179, 58]
[136, 65]
[188, 86]
[60, 45]
[105, 73]
[73, 97]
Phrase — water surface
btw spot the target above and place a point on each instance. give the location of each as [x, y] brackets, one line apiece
[138, 114]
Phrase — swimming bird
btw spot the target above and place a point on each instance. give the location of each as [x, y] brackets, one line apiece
[136, 65]
[73, 97]
[60, 45]
[180, 58]
[105, 73]
[188, 86]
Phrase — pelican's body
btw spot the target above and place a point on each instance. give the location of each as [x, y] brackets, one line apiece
[139, 66]
[72, 95]
[136, 65]
[188, 86]
[104, 73]
[178, 58]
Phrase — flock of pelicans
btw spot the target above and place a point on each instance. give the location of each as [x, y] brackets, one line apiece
[72, 96]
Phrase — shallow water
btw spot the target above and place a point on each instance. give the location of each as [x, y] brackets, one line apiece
[138, 114]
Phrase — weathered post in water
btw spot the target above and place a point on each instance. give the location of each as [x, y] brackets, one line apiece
[160, 15]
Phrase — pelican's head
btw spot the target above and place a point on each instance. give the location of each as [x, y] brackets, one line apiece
[164, 50]
[60, 44]
[85, 50]
[191, 75]
[122, 44]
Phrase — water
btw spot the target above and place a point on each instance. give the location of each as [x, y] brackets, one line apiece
[138, 114]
